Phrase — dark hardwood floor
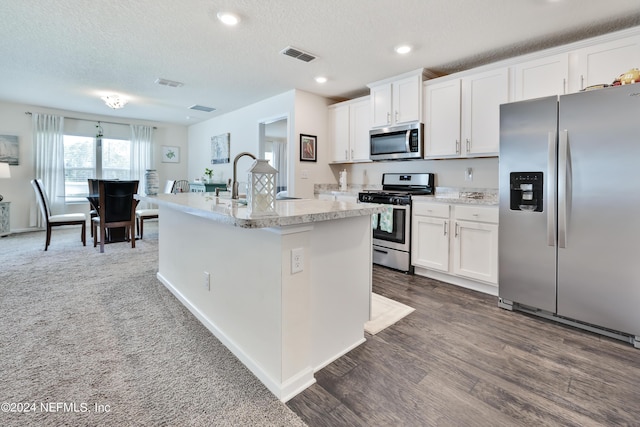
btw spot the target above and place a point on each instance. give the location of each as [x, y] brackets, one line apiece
[459, 360]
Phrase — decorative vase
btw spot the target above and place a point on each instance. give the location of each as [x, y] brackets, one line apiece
[152, 182]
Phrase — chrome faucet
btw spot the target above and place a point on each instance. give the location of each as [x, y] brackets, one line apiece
[234, 183]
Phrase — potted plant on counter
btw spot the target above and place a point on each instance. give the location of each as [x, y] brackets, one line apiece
[208, 173]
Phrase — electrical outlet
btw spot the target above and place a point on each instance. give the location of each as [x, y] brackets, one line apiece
[468, 174]
[297, 260]
[207, 281]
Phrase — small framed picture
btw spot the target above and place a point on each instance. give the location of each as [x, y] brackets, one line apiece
[220, 146]
[308, 148]
[9, 149]
[170, 154]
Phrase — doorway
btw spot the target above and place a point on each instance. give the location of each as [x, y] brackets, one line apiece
[274, 147]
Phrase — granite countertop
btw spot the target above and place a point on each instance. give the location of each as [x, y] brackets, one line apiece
[289, 212]
[451, 195]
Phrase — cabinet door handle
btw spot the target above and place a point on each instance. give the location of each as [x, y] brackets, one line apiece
[346, 155]
[581, 81]
[456, 232]
[396, 116]
[352, 154]
[468, 145]
[388, 118]
[380, 251]
[445, 228]
[457, 147]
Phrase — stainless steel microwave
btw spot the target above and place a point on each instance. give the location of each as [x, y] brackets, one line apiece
[397, 143]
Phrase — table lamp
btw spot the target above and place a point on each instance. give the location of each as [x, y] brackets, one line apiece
[4, 173]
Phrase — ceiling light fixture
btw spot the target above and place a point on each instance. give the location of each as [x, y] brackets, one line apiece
[114, 101]
[321, 79]
[228, 18]
[403, 49]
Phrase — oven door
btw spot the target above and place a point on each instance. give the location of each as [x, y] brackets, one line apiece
[391, 228]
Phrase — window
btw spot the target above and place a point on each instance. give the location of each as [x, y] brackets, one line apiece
[86, 157]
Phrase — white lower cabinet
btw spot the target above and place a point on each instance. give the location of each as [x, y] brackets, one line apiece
[475, 243]
[459, 241]
[430, 236]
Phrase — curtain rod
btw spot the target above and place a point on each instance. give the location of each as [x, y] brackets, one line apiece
[29, 113]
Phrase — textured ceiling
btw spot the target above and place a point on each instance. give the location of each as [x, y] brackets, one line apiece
[66, 53]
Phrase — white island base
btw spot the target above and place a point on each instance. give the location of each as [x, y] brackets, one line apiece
[239, 283]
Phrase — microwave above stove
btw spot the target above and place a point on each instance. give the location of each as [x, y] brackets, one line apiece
[397, 143]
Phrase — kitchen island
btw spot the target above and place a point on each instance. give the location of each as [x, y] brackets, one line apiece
[287, 294]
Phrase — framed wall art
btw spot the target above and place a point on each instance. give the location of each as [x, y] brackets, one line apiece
[9, 149]
[308, 148]
[170, 154]
[220, 148]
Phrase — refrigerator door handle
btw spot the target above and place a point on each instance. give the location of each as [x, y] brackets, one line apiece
[551, 189]
[563, 187]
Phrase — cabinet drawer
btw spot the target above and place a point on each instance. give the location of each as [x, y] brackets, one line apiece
[477, 213]
[431, 209]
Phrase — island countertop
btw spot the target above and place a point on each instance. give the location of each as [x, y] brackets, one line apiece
[289, 212]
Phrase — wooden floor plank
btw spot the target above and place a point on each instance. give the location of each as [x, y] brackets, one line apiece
[458, 359]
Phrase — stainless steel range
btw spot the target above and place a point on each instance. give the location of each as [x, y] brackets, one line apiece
[392, 228]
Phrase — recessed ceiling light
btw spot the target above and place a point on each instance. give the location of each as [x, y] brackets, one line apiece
[321, 79]
[403, 49]
[228, 18]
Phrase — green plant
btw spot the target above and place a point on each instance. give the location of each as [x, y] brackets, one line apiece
[208, 172]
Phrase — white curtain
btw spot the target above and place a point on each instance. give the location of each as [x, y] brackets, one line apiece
[141, 153]
[141, 156]
[48, 135]
[280, 163]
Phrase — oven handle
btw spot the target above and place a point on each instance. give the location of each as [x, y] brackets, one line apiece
[381, 251]
[403, 207]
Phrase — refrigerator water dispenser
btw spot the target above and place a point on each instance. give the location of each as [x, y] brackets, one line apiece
[526, 191]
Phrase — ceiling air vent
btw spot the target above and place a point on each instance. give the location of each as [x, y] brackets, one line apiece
[170, 83]
[202, 108]
[298, 54]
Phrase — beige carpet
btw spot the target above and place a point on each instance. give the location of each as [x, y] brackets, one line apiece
[98, 337]
[384, 313]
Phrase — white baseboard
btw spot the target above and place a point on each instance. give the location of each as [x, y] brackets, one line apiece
[339, 355]
[282, 390]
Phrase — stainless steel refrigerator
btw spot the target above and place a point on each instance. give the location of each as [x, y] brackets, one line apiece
[569, 230]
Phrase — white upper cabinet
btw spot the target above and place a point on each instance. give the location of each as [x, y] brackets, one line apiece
[442, 124]
[482, 95]
[577, 69]
[396, 102]
[541, 77]
[463, 115]
[339, 132]
[604, 62]
[359, 126]
[349, 124]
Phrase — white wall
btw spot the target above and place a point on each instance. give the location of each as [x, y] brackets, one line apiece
[449, 172]
[306, 113]
[18, 190]
[312, 118]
